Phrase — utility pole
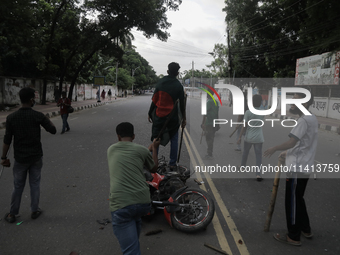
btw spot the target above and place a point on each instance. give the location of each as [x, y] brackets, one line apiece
[229, 57]
[192, 75]
[116, 79]
[133, 73]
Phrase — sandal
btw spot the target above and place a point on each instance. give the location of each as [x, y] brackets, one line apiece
[283, 238]
[10, 218]
[36, 214]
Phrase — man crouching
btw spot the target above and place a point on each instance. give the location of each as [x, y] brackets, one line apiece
[129, 192]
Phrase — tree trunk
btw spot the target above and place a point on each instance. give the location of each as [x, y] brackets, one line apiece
[48, 50]
[75, 76]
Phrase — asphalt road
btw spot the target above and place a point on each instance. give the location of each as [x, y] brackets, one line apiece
[75, 187]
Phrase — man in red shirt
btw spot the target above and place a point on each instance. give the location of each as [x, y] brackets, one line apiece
[64, 104]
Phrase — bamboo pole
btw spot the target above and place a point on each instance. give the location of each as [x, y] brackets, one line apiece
[273, 196]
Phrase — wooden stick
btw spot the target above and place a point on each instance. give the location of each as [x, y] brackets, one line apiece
[273, 196]
[202, 136]
[234, 131]
[215, 249]
[180, 144]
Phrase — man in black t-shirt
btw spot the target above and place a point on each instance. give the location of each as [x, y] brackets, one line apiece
[24, 126]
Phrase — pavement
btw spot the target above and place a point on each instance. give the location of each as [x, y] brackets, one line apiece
[51, 109]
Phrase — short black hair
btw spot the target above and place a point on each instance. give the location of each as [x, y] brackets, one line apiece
[173, 68]
[257, 100]
[311, 100]
[63, 92]
[26, 94]
[125, 129]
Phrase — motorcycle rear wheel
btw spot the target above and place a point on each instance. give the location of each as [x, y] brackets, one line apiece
[198, 214]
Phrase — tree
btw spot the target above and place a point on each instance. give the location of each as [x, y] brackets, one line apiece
[19, 43]
[268, 36]
[56, 39]
[220, 63]
[115, 20]
[144, 75]
[125, 80]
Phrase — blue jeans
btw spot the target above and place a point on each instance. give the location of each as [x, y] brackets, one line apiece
[258, 154]
[20, 174]
[126, 223]
[65, 123]
[173, 149]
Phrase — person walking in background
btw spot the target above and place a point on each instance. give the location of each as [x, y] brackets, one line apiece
[24, 126]
[109, 93]
[239, 126]
[98, 95]
[103, 95]
[64, 104]
[168, 91]
[299, 152]
[129, 192]
[253, 136]
[208, 125]
[125, 92]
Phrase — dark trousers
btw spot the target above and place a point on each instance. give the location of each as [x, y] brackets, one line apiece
[210, 137]
[65, 123]
[296, 211]
[20, 172]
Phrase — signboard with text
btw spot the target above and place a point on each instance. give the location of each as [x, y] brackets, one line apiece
[320, 69]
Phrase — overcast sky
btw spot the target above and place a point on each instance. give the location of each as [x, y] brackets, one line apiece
[196, 28]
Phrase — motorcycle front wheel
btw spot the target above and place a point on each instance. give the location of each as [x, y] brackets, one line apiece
[196, 211]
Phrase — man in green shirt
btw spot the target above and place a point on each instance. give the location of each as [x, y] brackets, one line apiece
[208, 125]
[129, 192]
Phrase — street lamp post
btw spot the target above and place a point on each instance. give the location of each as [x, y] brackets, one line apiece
[116, 78]
[133, 73]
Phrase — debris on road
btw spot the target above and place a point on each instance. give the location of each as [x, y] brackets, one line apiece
[215, 249]
[153, 232]
[104, 222]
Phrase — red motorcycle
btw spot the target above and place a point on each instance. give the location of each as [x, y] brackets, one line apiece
[185, 208]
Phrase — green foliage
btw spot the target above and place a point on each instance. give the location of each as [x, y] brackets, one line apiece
[187, 74]
[141, 74]
[60, 39]
[125, 80]
[268, 36]
[220, 63]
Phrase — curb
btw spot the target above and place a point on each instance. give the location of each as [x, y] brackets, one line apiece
[76, 109]
[320, 126]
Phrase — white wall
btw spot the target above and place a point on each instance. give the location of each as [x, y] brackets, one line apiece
[10, 87]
